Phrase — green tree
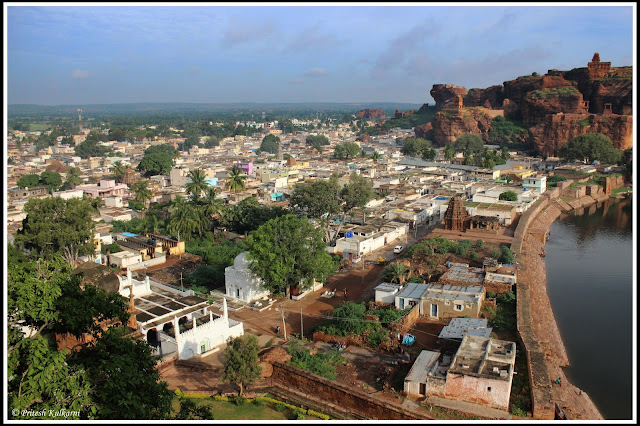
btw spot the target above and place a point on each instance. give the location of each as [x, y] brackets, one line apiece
[29, 181]
[241, 361]
[375, 156]
[190, 410]
[319, 199]
[165, 148]
[469, 142]
[270, 143]
[212, 142]
[429, 154]
[248, 215]
[54, 225]
[288, 251]
[317, 140]
[197, 184]
[506, 255]
[119, 170]
[395, 272]
[508, 196]
[212, 206]
[125, 380]
[91, 148]
[449, 152]
[235, 181]
[51, 180]
[156, 163]
[182, 218]
[142, 193]
[415, 147]
[590, 147]
[347, 150]
[73, 177]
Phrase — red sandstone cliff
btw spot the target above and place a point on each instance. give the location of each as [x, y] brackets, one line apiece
[549, 135]
[371, 114]
[555, 107]
[450, 124]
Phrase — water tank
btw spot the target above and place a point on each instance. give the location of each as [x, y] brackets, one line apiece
[349, 234]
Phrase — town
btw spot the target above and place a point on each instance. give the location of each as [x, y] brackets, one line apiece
[317, 262]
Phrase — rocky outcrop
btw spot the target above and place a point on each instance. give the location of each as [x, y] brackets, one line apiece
[549, 135]
[538, 104]
[400, 114]
[517, 90]
[448, 96]
[450, 124]
[425, 131]
[492, 97]
[371, 114]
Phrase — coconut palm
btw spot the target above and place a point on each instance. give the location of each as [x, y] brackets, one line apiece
[152, 224]
[119, 170]
[396, 272]
[375, 156]
[142, 192]
[197, 185]
[212, 207]
[182, 218]
[236, 180]
[448, 152]
[73, 177]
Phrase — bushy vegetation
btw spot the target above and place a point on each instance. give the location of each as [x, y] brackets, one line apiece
[217, 253]
[440, 245]
[552, 181]
[322, 363]
[505, 319]
[555, 92]
[507, 132]
[590, 147]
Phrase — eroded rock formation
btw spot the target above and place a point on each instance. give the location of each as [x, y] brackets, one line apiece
[450, 124]
[371, 114]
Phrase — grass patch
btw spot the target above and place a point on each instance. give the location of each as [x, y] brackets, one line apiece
[267, 409]
[621, 190]
[520, 400]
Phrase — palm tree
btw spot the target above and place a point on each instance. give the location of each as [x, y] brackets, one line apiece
[395, 272]
[236, 180]
[213, 207]
[73, 177]
[448, 152]
[142, 192]
[118, 170]
[152, 224]
[375, 156]
[182, 220]
[197, 185]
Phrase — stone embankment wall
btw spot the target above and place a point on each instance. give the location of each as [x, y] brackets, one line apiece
[541, 339]
[335, 394]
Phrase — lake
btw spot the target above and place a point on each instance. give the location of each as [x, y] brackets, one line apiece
[589, 263]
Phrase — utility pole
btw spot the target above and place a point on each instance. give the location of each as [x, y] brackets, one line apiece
[301, 326]
[284, 325]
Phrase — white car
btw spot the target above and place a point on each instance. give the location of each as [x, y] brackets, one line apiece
[398, 249]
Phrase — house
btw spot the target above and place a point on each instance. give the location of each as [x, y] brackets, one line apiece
[105, 188]
[498, 279]
[411, 295]
[481, 372]
[177, 323]
[452, 334]
[241, 283]
[386, 293]
[443, 301]
[535, 182]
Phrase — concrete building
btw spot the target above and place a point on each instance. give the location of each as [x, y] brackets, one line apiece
[71, 193]
[386, 293]
[105, 188]
[449, 301]
[177, 323]
[241, 283]
[534, 182]
[481, 372]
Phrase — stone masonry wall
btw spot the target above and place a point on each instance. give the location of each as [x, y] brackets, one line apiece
[337, 394]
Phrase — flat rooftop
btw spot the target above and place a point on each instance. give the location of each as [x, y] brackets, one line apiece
[463, 274]
[162, 302]
[460, 327]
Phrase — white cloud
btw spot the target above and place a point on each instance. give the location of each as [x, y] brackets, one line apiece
[315, 72]
[79, 74]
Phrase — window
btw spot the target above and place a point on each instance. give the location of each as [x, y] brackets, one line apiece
[489, 388]
[457, 307]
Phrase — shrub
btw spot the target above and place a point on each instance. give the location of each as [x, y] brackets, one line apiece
[479, 244]
[495, 253]
[257, 402]
[239, 400]
[299, 416]
[474, 256]
[506, 255]
[279, 407]
[377, 338]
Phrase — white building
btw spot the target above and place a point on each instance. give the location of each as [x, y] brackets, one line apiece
[538, 183]
[177, 323]
[72, 193]
[241, 283]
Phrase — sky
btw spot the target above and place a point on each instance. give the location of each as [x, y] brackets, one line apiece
[212, 53]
